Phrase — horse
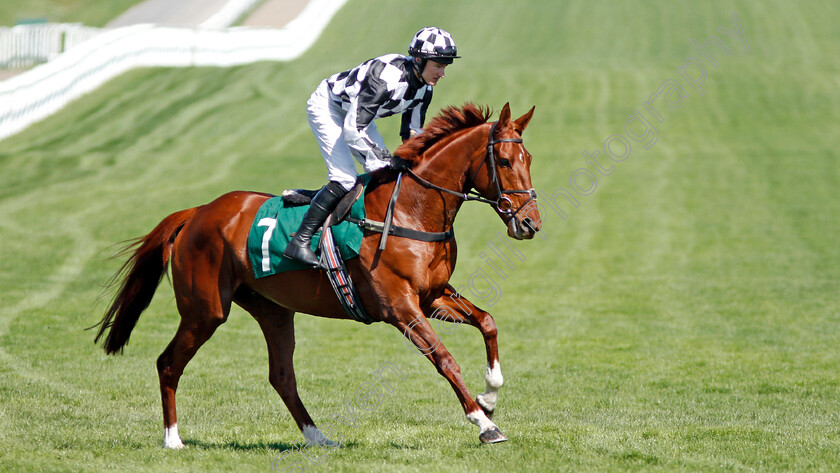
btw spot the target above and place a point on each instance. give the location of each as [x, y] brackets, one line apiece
[460, 156]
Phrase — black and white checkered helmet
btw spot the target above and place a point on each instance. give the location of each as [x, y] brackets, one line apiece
[433, 43]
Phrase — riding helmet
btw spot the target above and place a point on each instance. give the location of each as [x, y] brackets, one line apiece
[433, 43]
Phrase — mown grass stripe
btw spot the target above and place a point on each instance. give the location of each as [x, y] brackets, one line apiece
[683, 316]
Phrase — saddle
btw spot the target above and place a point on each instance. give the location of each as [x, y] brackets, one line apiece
[330, 256]
[298, 197]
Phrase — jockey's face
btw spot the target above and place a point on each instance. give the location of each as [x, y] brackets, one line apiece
[433, 72]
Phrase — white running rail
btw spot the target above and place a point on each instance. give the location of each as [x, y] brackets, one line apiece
[45, 89]
[26, 45]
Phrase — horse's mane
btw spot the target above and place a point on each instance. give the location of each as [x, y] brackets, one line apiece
[450, 120]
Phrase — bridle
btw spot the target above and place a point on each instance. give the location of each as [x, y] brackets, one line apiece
[503, 204]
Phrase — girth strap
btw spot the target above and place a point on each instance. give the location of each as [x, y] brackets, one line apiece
[403, 232]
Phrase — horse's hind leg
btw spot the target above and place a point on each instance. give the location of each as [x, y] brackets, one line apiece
[203, 306]
[453, 307]
[191, 334]
[278, 326]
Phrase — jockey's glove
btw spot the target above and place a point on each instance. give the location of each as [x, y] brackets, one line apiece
[398, 164]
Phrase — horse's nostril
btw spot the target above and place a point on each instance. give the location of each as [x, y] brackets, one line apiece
[529, 223]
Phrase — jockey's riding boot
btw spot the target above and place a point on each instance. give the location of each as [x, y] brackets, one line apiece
[324, 202]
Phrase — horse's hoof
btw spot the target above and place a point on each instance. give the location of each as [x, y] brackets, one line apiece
[493, 435]
[176, 445]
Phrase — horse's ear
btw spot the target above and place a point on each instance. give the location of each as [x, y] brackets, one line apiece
[504, 117]
[521, 122]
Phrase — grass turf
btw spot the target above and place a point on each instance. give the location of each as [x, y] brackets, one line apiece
[682, 317]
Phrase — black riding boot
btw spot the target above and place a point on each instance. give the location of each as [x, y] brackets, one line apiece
[322, 205]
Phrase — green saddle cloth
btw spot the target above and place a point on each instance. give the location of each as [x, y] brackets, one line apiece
[273, 228]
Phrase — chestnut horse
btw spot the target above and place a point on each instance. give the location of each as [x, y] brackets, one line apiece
[459, 152]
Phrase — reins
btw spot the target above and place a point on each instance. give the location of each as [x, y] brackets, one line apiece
[503, 203]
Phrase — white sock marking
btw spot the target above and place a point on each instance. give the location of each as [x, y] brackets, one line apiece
[493, 376]
[171, 439]
[478, 418]
[314, 437]
[494, 379]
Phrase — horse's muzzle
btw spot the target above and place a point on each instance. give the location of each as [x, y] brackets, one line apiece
[524, 229]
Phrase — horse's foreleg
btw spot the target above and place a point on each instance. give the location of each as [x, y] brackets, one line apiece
[278, 326]
[429, 344]
[453, 307]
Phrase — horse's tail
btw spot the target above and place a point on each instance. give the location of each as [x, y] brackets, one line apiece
[139, 277]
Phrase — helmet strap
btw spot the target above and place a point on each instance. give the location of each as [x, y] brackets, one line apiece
[419, 65]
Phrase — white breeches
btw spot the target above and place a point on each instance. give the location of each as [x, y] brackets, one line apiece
[327, 121]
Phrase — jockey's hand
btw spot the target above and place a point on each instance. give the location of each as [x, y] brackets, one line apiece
[398, 164]
[382, 154]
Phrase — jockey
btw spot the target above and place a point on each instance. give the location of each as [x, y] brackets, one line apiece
[342, 110]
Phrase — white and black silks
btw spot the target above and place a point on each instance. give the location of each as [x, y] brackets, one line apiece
[343, 108]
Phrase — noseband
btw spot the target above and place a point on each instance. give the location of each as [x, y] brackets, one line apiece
[503, 204]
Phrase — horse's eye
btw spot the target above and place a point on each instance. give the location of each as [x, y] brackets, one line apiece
[505, 163]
